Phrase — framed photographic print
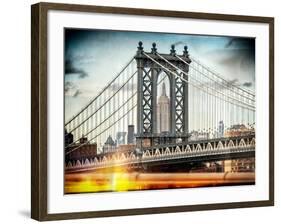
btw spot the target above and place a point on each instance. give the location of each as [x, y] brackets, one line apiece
[138, 111]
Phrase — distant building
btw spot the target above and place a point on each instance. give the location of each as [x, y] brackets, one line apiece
[239, 165]
[131, 134]
[83, 140]
[109, 145]
[221, 129]
[68, 138]
[120, 138]
[239, 130]
[127, 147]
[146, 142]
[195, 135]
[81, 151]
[227, 165]
[163, 111]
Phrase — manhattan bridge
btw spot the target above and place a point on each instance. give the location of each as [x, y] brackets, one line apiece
[202, 103]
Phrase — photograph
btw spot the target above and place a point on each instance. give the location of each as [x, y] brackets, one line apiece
[153, 110]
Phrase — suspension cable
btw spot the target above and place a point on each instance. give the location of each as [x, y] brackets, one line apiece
[97, 126]
[102, 91]
[104, 102]
[87, 142]
[198, 80]
[219, 77]
[177, 75]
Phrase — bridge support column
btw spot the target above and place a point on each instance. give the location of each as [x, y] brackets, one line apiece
[185, 94]
[185, 109]
[172, 104]
[154, 77]
[140, 98]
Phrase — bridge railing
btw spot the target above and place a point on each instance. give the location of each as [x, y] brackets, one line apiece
[226, 147]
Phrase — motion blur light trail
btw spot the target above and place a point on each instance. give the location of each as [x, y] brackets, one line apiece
[121, 181]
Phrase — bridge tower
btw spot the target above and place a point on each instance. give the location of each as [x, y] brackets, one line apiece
[149, 66]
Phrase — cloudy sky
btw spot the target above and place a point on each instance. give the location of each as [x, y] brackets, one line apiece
[94, 57]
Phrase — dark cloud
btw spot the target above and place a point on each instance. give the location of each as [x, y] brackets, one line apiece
[232, 82]
[77, 93]
[82, 59]
[178, 43]
[68, 86]
[241, 43]
[236, 82]
[242, 51]
[247, 84]
[241, 57]
[71, 69]
[237, 59]
[72, 90]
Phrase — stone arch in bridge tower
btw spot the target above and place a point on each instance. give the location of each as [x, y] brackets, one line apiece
[149, 66]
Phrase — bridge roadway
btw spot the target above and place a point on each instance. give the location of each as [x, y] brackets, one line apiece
[182, 153]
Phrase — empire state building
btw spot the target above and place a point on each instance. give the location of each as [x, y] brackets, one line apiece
[163, 111]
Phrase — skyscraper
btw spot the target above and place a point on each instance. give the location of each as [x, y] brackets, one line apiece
[109, 145]
[120, 138]
[163, 111]
[221, 129]
[131, 134]
[68, 138]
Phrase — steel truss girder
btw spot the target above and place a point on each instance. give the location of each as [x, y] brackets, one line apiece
[147, 100]
[179, 105]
